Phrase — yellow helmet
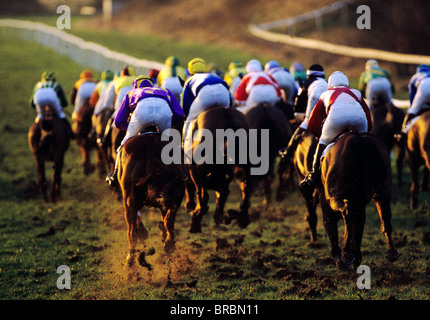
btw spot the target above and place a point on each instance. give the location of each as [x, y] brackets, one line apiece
[197, 65]
[48, 76]
[172, 61]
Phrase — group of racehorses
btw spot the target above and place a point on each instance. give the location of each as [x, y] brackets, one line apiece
[354, 171]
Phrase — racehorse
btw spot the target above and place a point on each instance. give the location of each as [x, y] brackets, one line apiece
[265, 116]
[48, 140]
[418, 147]
[215, 176]
[146, 181]
[303, 158]
[355, 170]
[81, 126]
[104, 160]
[387, 120]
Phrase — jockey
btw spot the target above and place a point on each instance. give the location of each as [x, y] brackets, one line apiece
[235, 73]
[284, 78]
[314, 85]
[298, 72]
[338, 109]
[202, 91]
[82, 91]
[375, 81]
[153, 74]
[49, 92]
[114, 95]
[256, 87]
[168, 77]
[149, 106]
[419, 96]
[105, 78]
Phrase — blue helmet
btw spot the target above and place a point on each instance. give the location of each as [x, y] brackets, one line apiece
[423, 68]
[271, 65]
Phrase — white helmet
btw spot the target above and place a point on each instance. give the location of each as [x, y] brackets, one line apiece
[338, 79]
[254, 65]
[371, 64]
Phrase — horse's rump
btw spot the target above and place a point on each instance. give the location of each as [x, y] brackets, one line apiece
[356, 169]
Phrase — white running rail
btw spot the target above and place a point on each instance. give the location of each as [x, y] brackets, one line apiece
[86, 53]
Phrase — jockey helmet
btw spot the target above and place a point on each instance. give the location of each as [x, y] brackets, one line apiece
[142, 81]
[315, 70]
[107, 75]
[48, 76]
[172, 61]
[338, 79]
[423, 68]
[371, 64]
[86, 74]
[234, 65]
[253, 65]
[153, 73]
[127, 71]
[271, 65]
[197, 65]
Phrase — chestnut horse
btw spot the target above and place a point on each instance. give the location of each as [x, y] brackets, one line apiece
[212, 176]
[418, 147]
[146, 181]
[48, 140]
[355, 170]
[265, 116]
[81, 126]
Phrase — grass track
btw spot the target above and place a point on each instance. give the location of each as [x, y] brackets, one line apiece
[271, 259]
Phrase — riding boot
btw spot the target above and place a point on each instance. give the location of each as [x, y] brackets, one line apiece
[288, 151]
[112, 178]
[313, 177]
[401, 135]
[69, 128]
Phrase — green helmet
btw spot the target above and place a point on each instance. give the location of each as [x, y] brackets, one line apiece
[107, 75]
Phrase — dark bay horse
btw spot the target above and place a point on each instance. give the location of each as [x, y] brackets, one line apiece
[354, 171]
[82, 125]
[387, 120]
[212, 176]
[418, 147]
[48, 140]
[269, 117]
[146, 181]
[104, 159]
[303, 158]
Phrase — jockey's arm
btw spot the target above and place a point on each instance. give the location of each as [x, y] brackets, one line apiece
[61, 95]
[121, 119]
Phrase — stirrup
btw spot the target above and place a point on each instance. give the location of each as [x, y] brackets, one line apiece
[283, 152]
[111, 178]
[399, 136]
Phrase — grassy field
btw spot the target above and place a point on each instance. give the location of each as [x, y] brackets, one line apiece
[85, 230]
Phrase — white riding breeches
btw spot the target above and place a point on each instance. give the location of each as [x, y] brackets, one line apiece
[44, 97]
[378, 87]
[261, 93]
[149, 112]
[83, 95]
[343, 116]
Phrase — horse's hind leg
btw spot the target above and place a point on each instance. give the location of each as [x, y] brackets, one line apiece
[425, 181]
[267, 187]
[221, 199]
[414, 166]
[41, 178]
[202, 203]
[384, 210]
[56, 177]
[330, 219]
[311, 201]
[167, 227]
[355, 218]
[134, 232]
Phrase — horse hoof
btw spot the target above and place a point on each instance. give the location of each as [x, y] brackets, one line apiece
[195, 228]
[347, 259]
[169, 246]
[130, 260]
[392, 255]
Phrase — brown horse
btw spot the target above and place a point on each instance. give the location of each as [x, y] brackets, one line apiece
[48, 140]
[104, 160]
[354, 171]
[146, 181]
[268, 117]
[387, 120]
[303, 159]
[206, 176]
[81, 126]
[418, 147]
